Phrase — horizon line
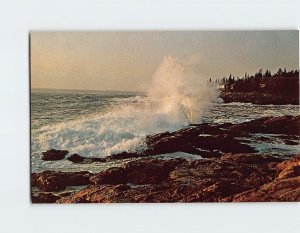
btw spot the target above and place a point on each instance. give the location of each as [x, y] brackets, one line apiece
[93, 90]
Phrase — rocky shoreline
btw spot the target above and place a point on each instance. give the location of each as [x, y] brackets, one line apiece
[258, 98]
[228, 169]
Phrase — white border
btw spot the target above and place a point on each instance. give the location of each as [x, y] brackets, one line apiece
[19, 17]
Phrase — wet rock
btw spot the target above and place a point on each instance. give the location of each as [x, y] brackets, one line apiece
[289, 125]
[211, 141]
[258, 98]
[99, 160]
[54, 154]
[75, 158]
[291, 143]
[223, 143]
[250, 158]
[125, 155]
[194, 143]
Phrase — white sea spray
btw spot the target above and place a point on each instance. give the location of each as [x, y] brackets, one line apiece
[176, 97]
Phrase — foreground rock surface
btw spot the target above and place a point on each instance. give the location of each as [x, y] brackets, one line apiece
[232, 177]
[286, 186]
[52, 181]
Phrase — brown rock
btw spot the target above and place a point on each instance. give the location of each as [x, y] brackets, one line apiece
[110, 176]
[54, 154]
[75, 158]
[149, 171]
[50, 181]
[156, 180]
[289, 125]
[278, 190]
[44, 198]
[55, 181]
[286, 186]
[98, 194]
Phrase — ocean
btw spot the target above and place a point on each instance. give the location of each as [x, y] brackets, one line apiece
[101, 123]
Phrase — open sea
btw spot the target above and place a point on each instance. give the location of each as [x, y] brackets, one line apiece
[100, 123]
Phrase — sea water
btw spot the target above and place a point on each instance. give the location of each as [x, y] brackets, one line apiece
[99, 124]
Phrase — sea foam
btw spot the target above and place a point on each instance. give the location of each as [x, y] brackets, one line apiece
[176, 97]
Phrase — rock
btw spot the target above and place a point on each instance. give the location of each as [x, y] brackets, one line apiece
[211, 141]
[289, 125]
[258, 98]
[278, 190]
[149, 171]
[98, 194]
[285, 187]
[52, 181]
[44, 198]
[232, 177]
[110, 176]
[54, 154]
[223, 143]
[291, 143]
[193, 143]
[146, 171]
[78, 178]
[285, 165]
[125, 155]
[99, 160]
[250, 158]
[75, 158]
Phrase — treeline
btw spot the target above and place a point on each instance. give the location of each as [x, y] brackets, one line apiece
[283, 82]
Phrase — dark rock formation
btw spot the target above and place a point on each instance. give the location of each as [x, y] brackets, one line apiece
[232, 177]
[75, 158]
[54, 154]
[289, 125]
[193, 140]
[212, 141]
[258, 98]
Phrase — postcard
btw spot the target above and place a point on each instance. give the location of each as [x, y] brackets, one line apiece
[164, 116]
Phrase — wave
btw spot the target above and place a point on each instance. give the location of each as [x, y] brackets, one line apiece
[176, 98]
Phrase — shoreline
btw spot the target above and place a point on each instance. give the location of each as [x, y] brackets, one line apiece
[258, 98]
[227, 167]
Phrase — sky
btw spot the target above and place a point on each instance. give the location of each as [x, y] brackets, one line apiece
[127, 60]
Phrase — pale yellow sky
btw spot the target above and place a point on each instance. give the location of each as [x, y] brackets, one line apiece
[127, 60]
